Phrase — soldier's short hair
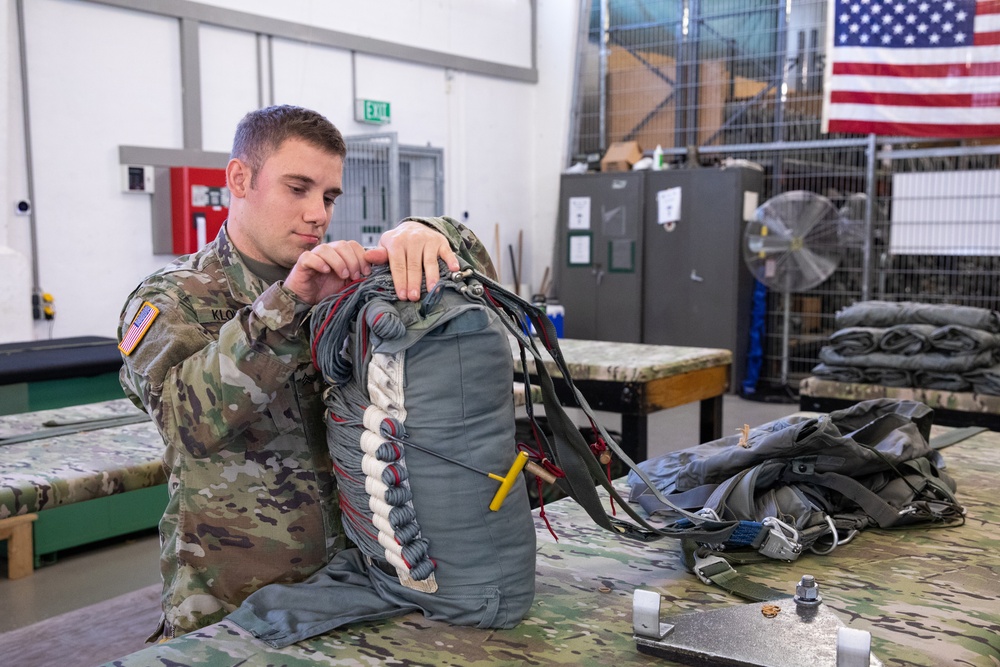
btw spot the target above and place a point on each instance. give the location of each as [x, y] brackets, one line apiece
[262, 132]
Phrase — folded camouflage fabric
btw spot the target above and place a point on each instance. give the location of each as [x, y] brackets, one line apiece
[931, 361]
[985, 380]
[852, 341]
[908, 339]
[958, 338]
[940, 380]
[887, 314]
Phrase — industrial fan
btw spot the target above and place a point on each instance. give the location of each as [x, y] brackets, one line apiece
[792, 245]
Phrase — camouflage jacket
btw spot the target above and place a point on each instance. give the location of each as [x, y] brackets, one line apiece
[225, 373]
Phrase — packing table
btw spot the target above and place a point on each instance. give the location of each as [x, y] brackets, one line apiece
[927, 596]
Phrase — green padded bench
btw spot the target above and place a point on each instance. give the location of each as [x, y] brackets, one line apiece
[89, 472]
[46, 374]
[951, 408]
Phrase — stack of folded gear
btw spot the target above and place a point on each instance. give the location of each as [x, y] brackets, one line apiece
[932, 346]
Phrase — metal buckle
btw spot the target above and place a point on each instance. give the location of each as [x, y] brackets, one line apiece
[702, 563]
[782, 541]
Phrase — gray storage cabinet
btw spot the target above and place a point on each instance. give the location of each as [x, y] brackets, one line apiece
[599, 257]
[680, 281]
[697, 289]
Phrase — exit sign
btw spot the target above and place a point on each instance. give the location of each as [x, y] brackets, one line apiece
[372, 111]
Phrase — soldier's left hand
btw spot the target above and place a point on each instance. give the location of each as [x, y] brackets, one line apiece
[412, 250]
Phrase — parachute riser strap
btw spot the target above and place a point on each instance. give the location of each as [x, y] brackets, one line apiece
[884, 514]
[582, 469]
[572, 453]
[514, 306]
[714, 569]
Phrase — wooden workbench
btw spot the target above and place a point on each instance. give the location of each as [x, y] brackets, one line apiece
[637, 380]
[951, 408]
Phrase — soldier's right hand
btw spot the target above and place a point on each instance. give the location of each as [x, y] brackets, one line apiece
[325, 270]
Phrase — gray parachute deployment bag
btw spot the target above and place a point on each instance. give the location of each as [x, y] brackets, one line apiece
[804, 483]
[420, 427]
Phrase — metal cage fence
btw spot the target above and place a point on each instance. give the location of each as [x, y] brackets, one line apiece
[743, 79]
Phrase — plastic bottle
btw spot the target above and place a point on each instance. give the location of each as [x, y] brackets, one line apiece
[556, 313]
[658, 158]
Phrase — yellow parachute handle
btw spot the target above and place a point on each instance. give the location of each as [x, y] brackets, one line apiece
[507, 482]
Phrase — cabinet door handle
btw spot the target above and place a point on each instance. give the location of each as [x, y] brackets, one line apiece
[598, 273]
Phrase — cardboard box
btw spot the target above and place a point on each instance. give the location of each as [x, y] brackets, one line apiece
[640, 102]
[621, 155]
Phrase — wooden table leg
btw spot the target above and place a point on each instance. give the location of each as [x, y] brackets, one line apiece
[20, 551]
[711, 419]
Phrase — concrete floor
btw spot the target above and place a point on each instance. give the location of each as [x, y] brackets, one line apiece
[98, 573]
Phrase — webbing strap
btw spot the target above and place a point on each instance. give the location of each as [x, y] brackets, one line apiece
[79, 427]
[884, 514]
[713, 569]
[569, 449]
[953, 437]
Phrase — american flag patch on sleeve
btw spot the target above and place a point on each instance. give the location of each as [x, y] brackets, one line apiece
[140, 325]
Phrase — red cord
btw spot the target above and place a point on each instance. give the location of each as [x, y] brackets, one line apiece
[541, 510]
[598, 448]
[347, 291]
[538, 456]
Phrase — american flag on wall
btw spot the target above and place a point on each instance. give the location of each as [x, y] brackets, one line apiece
[917, 68]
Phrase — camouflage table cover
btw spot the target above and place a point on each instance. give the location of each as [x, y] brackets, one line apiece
[964, 401]
[928, 597]
[64, 469]
[630, 362]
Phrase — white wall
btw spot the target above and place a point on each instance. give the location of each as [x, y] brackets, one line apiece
[493, 30]
[101, 77]
[15, 271]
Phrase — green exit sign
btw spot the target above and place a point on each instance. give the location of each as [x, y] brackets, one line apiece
[372, 111]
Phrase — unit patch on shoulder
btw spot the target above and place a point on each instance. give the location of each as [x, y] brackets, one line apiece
[140, 325]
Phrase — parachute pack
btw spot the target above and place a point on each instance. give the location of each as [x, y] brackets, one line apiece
[420, 426]
[805, 484]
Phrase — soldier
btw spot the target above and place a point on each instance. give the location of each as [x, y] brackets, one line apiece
[215, 351]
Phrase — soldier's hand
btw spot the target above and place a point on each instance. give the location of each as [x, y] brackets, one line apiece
[325, 270]
[412, 250]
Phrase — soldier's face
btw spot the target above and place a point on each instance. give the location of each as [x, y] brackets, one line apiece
[289, 207]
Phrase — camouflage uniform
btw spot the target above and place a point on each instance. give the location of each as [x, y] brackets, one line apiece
[225, 373]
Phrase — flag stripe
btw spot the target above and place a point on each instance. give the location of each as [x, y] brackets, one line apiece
[915, 85]
[911, 114]
[948, 131]
[914, 100]
[987, 38]
[943, 70]
[965, 55]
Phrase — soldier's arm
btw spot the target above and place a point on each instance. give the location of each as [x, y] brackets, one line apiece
[202, 392]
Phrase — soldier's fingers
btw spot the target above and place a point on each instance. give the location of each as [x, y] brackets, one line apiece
[377, 255]
[431, 268]
[346, 258]
[397, 267]
[414, 273]
[448, 255]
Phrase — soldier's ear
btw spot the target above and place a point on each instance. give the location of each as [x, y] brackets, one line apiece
[238, 176]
